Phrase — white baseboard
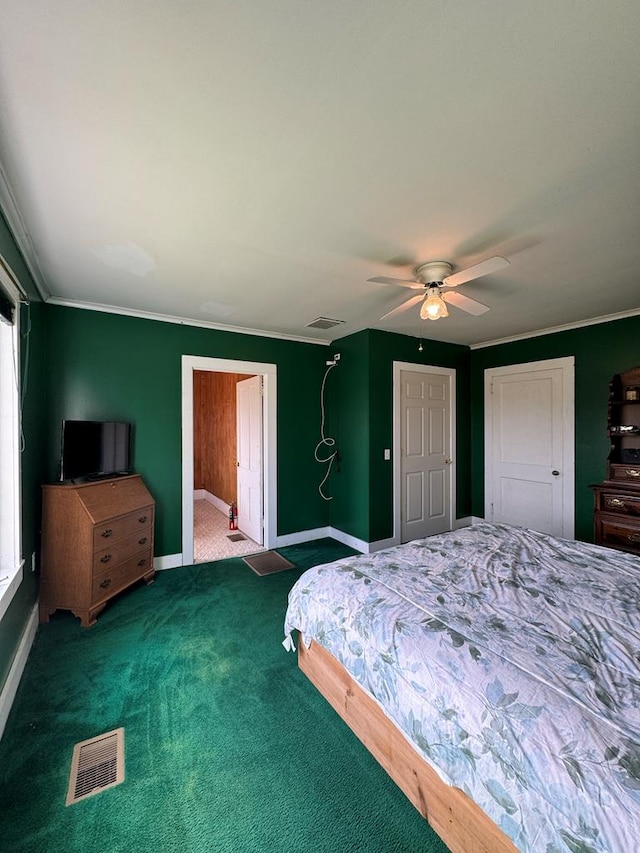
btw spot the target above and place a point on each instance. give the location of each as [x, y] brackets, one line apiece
[348, 539]
[218, 503]
[324, 533]
[383, 543]
[169, 561]
[380, 544]
[303, 536]
[467, 521]
[10, 687]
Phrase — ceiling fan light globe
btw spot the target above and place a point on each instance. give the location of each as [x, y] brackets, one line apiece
[434, 307]
[433, 314]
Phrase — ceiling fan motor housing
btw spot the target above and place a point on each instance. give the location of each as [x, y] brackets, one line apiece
[433, 272]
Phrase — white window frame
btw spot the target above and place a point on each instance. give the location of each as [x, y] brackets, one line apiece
[11, 564]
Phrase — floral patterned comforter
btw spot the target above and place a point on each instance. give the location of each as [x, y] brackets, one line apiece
[511, 661]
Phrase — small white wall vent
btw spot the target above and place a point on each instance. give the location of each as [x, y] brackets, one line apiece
[96, 764]
[323, 323]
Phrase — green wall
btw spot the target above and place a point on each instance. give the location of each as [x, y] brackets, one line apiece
[347, 399]
[362, 400]
[111, 367]
[600, 351]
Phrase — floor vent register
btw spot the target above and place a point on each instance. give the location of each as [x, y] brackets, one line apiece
[96, 764]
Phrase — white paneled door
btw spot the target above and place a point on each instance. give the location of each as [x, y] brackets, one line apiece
[249, 438]
[425, 448]
[529, 440]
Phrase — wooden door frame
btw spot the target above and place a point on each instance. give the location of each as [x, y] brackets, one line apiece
[190, 363]
[398, 367]
[567, 365]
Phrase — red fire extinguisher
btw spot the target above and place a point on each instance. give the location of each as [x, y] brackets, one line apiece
[233, 515]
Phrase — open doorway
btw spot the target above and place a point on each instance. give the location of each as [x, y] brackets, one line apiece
[228, 455]
[227, 465]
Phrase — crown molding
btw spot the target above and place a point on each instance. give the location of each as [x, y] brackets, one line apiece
[180, 321]
[21, 235]
[567, 327]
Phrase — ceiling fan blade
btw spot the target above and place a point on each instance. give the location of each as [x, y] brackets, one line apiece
[483, 268]
[404, 306]
[401, 282]
[464, 303]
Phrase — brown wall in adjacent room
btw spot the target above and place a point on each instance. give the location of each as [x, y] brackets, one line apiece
[214, 433]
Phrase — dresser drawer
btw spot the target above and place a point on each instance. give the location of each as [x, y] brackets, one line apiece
[119, 528]
[618, 533]
[631, 473]
[113, 580]
[120, 550]
[619, 503]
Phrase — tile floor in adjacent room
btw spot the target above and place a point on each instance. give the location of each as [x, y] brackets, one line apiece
[211, 535]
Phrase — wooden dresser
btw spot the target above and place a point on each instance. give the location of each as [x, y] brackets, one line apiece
[617, 499]
[97, 539]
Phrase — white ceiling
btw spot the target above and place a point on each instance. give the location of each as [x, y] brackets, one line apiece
[252, 163]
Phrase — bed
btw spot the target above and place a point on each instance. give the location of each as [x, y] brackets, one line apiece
[495, 673]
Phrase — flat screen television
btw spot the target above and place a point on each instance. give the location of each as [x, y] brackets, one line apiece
[94, 449]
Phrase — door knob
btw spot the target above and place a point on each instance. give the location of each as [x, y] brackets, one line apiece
[556, 473]
[448, 461]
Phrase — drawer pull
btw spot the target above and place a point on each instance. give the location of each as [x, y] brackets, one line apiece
[105, 583]
[142, 562]
[616, 502]
[632, 472]
[106, 558]
[142, 541]
[106, 533]
[142, 519]
[634, 537]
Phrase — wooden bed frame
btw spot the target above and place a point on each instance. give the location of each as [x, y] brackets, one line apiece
[459, 822]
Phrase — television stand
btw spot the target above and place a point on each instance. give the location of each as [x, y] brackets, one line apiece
[97, 539]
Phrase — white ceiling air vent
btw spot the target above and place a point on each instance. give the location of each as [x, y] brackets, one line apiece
[323, 323]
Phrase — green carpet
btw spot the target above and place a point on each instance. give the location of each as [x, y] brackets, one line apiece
[228, 746]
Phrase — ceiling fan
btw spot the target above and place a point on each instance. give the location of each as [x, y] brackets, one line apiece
[432, 277]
